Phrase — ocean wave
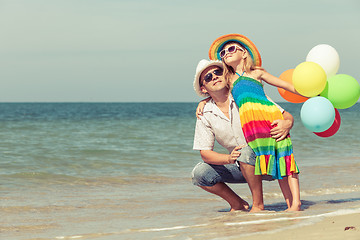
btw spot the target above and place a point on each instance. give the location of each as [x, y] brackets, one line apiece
[329, 191]
[317, 192]
[43, 178]
[322, 215]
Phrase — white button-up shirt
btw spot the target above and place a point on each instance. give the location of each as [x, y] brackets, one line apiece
[213, 124]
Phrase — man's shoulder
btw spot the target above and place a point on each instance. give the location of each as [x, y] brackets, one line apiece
[209, 106]
[208, 113]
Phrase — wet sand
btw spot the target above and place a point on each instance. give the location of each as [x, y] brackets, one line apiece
[335, 227]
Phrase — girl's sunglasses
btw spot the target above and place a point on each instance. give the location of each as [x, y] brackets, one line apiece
[209, 77]
[230, 49]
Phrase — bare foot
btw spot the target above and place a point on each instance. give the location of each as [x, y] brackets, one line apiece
[256, 209]
[294, 208]
[241, 206]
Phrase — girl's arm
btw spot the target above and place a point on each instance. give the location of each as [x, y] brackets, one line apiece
[277, 82]
[200, 107]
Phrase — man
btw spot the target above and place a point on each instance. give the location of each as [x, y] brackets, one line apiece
[220, 120]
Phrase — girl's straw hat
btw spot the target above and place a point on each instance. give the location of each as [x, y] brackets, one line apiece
[220, 42]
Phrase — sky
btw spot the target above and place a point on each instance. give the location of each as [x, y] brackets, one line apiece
[147, 51]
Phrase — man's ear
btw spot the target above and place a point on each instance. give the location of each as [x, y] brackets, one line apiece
[203, 90]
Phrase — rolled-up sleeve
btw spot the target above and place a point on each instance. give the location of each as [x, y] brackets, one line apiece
[204, 138]
[277, 105]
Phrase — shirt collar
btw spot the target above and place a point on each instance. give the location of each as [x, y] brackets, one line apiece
[211, 106]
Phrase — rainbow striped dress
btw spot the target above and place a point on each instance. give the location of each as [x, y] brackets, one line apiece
[256, 115]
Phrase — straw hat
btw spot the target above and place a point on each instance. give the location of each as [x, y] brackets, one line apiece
[202, 65]
[220, 42]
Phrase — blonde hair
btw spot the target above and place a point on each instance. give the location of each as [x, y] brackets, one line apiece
[249, 65]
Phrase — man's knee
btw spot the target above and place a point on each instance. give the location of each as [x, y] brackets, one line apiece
[204, 175]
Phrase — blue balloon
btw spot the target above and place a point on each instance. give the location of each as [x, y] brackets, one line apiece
[317, 114]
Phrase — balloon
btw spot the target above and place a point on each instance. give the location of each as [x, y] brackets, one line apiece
[334, 127]
[289, 96]
[342, 90]
[317, 114]
[327, 57]
[309, 79]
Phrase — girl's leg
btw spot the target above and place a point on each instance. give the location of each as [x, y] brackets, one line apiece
[285, 189]
[255, 185]
[295, 192]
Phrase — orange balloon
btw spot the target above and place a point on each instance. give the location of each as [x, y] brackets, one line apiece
[289, 96]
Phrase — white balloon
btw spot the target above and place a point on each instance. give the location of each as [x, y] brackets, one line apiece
[327, 57]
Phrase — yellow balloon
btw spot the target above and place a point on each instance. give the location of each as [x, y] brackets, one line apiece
[309, 79]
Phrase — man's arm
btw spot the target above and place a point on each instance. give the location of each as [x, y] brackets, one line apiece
[282, 127]
[204, 141]
[215, 158]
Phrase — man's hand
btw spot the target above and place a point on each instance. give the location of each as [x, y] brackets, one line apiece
[235, 154]
[282, 127]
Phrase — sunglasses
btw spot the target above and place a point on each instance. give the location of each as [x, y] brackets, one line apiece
[209, 77]
[230, 49]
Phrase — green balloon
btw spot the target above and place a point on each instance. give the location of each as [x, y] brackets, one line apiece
[342, 90]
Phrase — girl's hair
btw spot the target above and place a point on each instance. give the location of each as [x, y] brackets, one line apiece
[248, 64]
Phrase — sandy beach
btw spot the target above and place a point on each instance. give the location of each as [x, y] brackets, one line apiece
[345, 227]
[68, 171]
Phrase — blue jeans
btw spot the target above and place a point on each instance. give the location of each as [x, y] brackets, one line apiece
[205, 174]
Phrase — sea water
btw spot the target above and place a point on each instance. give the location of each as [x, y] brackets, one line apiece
[123, 171]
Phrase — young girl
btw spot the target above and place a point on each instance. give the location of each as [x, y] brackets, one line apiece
[243, 72]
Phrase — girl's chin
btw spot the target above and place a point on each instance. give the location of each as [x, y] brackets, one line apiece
[231, 61]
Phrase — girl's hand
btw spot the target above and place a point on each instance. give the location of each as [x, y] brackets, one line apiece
[200, 107]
